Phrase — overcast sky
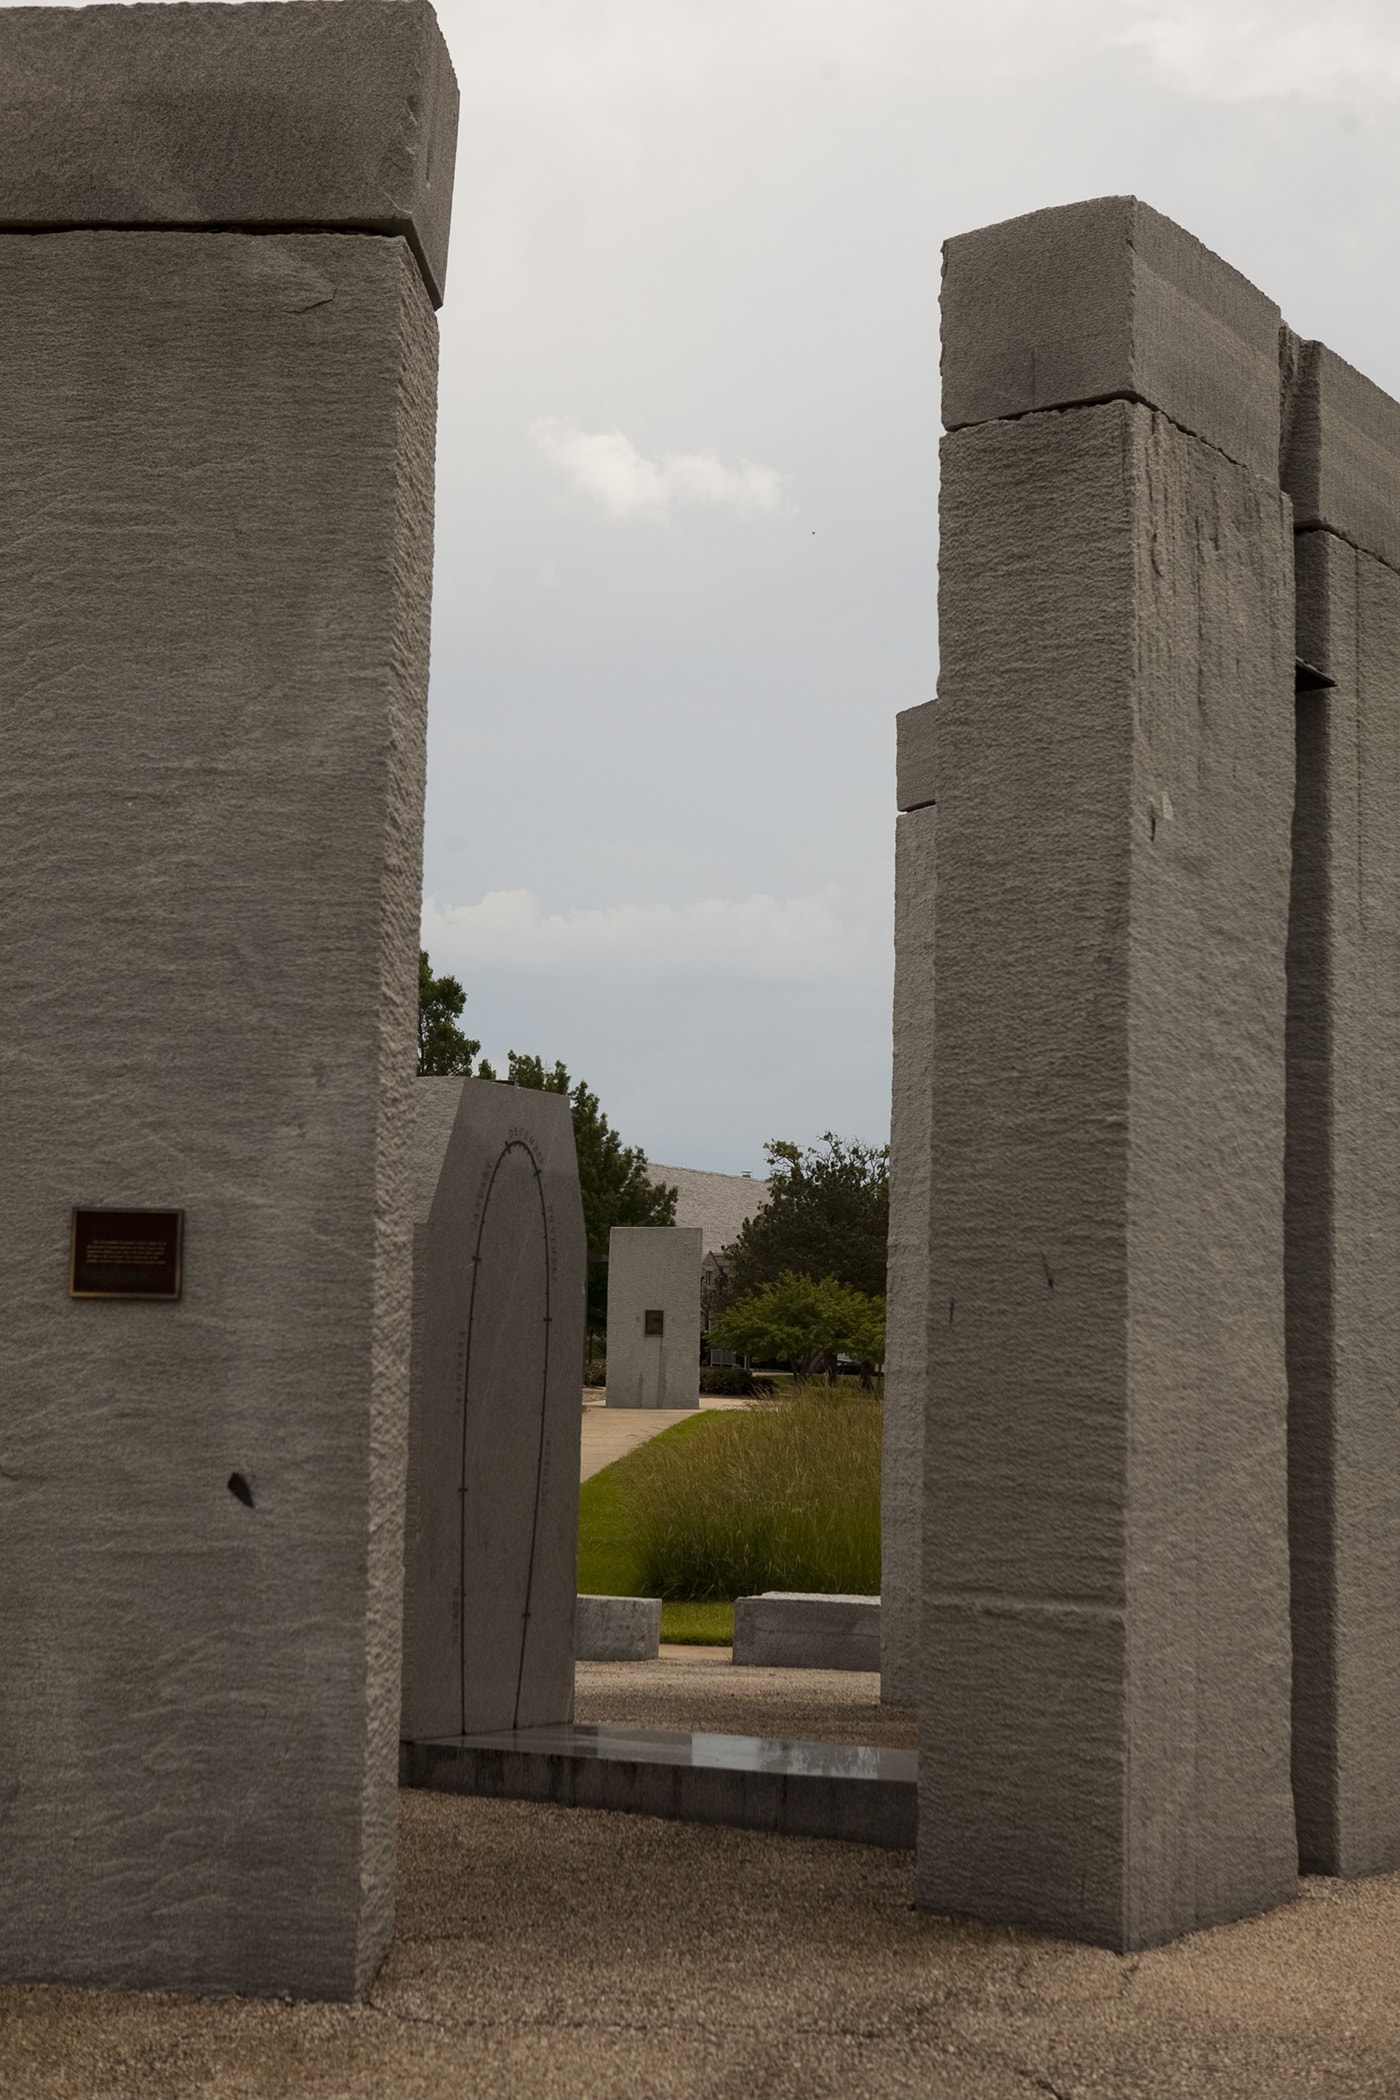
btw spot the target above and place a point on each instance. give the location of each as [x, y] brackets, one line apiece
[687, 488]
[688, 473]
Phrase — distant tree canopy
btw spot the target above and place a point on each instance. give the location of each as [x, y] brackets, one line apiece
[827, 1216]
[442, 1047]
[806, 1321]
[617, 1190]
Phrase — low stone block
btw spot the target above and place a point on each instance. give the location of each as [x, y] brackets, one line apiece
[1107, 300]
[332, 115]
[617, 1629]
[802, 1630]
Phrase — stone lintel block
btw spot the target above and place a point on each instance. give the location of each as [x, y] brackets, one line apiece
[1107, 300]
[326, 116]
[1340, 460]
[914, 777]
[806, 1630]
[617, 1629]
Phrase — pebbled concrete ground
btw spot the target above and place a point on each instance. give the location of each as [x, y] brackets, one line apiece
[700, 1688]
[547, 1952]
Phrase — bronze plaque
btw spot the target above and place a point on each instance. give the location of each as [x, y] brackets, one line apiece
[653, 1323]
[126, 1254]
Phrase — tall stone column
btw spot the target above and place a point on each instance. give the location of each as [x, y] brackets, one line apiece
[222, 237]
[906, 1340]
[1341, 466]
[1104, 1654]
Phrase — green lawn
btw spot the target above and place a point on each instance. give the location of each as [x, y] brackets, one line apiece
[607, 1562]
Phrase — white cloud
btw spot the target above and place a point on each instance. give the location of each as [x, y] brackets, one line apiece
[830, 934]
[607, 467]
[1252, 50]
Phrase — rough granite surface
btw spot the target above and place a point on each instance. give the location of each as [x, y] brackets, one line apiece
[1105, 1647]
[328, 115]
[1344, 1214]
[907, 1338]
[1340, 460]
[915, 752]
[1107, 300]
[216, 506]
[491, 1545]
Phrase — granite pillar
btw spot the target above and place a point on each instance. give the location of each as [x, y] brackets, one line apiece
[1341, 465]
[216, 460]
[1104, 1653]
[491, 1539]
[907, 1291]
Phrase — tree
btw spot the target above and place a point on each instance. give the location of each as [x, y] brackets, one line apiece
[808, 1322]
[442, 1047]
[617, 1189]
[827, 1215]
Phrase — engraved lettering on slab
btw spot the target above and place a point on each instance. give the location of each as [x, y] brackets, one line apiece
[126, 1254]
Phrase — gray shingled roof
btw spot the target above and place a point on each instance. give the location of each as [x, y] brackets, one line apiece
[717, 1203]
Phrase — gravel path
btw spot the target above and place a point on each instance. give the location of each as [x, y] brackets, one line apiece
[557, 1954]
[700, 1688]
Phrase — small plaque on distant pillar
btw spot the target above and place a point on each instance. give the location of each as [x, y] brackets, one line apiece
[126, 1254]
[654, 1322]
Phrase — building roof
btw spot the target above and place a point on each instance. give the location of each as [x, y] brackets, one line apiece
[717, 1203]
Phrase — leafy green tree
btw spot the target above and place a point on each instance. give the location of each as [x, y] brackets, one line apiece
[827, 1215]
[617, 1189]
[442, 1047]
[807, 1322]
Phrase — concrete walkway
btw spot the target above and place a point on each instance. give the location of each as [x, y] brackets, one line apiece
[611, 1432]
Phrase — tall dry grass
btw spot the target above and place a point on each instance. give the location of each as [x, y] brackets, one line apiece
[784, 1495]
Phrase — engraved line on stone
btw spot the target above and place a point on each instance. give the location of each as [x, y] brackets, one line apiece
[540, 1456]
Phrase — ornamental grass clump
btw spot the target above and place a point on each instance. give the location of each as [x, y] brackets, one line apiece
[781, 1496]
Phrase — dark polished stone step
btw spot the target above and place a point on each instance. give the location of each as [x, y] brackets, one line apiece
[856, 1791]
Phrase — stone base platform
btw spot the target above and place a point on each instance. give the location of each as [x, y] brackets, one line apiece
[854, 1791]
